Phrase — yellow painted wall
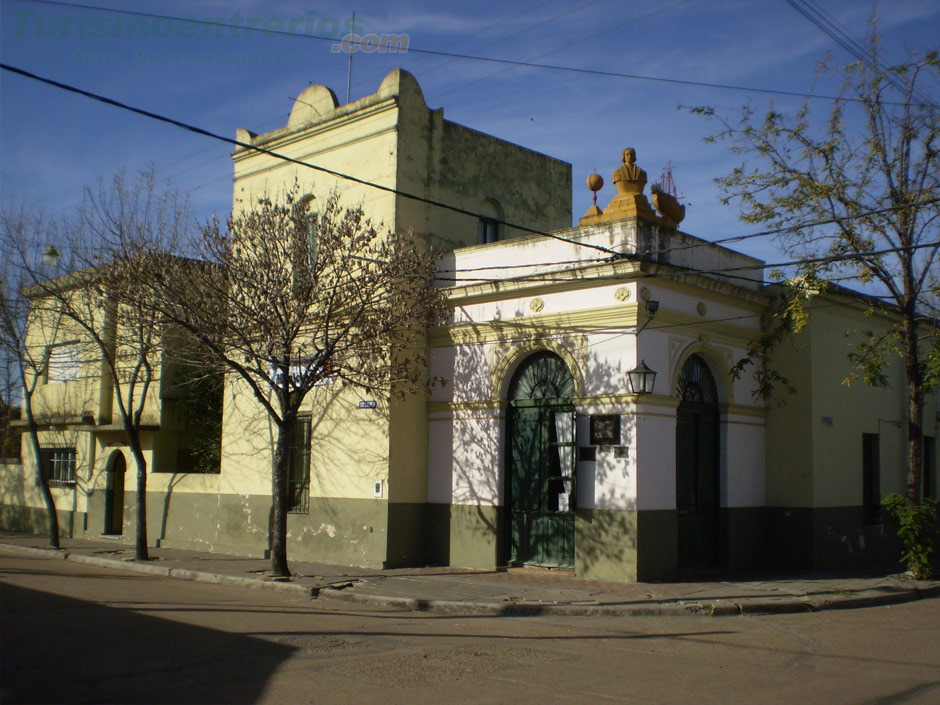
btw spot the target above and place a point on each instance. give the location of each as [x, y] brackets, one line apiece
[349, 447]
[814, 436]
[393, 139]
[790, 464]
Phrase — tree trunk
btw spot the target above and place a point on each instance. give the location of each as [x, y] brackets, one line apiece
[285, 432]
[915, 409]
[41, 474]
[141, 552]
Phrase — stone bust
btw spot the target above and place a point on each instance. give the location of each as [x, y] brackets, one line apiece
[629, 178]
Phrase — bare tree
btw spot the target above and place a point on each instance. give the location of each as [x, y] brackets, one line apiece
[857, 196]
[105, 253]
[296, 291]
[26, 359]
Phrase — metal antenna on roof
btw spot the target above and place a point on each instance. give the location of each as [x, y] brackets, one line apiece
[352, 28]
[667, 182]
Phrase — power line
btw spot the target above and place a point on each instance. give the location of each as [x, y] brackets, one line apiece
[800, 226]
[283, 157]
[612, 253]
[718, 271]
[705, 243]
[513, 35]
[555, 18]
[829, 26]
[469, 57]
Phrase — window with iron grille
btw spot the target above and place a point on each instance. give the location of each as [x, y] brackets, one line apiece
[930, 467]
[59, 462]
[298, 469]
[871, 478]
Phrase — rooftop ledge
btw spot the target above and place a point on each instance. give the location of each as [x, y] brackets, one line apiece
[589, 245]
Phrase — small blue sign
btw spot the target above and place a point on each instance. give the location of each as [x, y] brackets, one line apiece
[367, 404]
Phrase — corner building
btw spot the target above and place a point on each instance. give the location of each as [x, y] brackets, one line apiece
[534, 446]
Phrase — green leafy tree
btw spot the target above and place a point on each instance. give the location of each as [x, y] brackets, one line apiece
[917, 529]
[856, 197]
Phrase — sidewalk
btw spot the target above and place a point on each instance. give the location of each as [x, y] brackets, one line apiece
[512, 592]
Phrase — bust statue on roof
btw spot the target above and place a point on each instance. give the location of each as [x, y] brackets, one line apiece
[629, 202]
[629, 178]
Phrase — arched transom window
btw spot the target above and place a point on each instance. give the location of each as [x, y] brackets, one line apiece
[696, 383]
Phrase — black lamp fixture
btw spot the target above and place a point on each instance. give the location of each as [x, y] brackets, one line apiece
[641, 379]
[652, 307]
[51, 256]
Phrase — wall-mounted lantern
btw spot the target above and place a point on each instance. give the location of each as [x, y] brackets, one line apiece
[641, 379]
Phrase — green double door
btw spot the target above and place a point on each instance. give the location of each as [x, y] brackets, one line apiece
[697, 499]
[541, 483]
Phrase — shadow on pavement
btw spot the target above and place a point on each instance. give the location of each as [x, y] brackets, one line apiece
[61, 650]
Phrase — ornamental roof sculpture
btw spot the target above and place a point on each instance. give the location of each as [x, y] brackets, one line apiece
[630, 202]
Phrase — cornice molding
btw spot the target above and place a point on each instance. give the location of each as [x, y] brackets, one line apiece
[285, 137]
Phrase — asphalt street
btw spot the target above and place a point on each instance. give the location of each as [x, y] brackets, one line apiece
[73, 633]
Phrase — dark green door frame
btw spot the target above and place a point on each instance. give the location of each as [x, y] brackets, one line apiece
[698, 497]
[541, 488]
[540, 462]
[114, 494]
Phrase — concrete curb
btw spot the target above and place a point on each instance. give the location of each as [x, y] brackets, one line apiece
[160, 571]
[705, 608]
[708, 608]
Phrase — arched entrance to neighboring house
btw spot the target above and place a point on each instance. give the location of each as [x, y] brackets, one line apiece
[540, 478]
[697, 486]
[114, 495]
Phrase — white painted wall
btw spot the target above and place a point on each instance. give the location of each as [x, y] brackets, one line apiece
[598, 327]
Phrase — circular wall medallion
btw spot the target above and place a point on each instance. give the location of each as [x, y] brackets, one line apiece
[701, 308]
[622, 294]
[536, 305]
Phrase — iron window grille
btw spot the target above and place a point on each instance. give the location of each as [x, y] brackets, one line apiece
[298, 470]
[871, 478]
[929, 455]
[59, 462]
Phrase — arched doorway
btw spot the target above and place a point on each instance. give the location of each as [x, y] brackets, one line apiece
[540, 485]
[697, 490]
[114, 495]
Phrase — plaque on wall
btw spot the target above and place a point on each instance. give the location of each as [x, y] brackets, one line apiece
[605, 430]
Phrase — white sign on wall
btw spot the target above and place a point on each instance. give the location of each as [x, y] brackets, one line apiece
[297, 373]
[64, 363]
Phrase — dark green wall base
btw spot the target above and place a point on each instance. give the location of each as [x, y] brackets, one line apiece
[625, 546]
[658, 539]
[605, 545]
[609, 545]
[474, 535]
[337, 531]
[742, 537]
[407, 529]
[828, 537]
[437, 534]
[31, 520]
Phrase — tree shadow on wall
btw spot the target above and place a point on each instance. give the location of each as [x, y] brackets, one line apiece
[477, 468]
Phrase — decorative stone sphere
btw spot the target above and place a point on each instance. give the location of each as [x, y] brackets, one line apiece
[595, 182]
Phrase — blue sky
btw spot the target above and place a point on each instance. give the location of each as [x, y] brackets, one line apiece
[53, 143]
